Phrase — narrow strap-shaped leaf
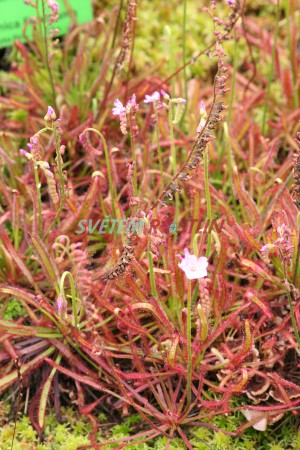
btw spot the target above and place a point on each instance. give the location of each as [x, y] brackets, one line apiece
[260, 303]
[259, 271]
[47, 262]
[15, 328]
[19, 261]
[72, 358]
[42, 398]
[248, 205]
[226, 323]
[12, 377]
[85, 380]
[250, 238]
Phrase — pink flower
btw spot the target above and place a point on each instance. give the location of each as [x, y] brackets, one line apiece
[53, 5]
[131, 109]
[155, 97]
[23, 152]
[164, 94]
[119, 108]
[59, 303]
[50, 115]
[132, 105]
[192, 266]
[122, 111]
[265, 251]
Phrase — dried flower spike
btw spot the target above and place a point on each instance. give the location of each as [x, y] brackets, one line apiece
[127, 34]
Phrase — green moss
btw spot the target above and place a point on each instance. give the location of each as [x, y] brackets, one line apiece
[75, 432]
[13, 310]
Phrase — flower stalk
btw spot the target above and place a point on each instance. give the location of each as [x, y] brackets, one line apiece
[189, 344]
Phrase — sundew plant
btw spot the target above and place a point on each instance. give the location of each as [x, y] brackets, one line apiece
[149, 259]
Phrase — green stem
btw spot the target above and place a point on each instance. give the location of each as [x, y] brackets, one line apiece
[59, 165]
[229, 165]
[46, 53]
[189, 344]
[294, 323]
[16, 219]
[271, 69]
[290, 46]
[151, 271]
[107, 160]
[133, 158]
[232, 94]
[114, 71]
[173, 162]
[173, 151]
[208, 200]
[38, 191]
[61, 179]
[290, 294]
[297, 260]
[158, 141]
[170, 52]
[184, 55]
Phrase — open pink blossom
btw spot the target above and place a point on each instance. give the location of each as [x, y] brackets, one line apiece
[132, 106]
[192, 266]
[152, 98]
[53, 5]
[119, 108]
[122, 111]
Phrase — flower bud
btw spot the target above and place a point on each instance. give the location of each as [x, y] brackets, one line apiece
[50, 115]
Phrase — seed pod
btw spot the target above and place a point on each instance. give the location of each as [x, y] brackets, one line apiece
[180, 106]
[52, 186]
